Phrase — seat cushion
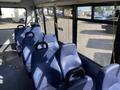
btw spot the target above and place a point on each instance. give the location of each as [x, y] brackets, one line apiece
[79, 84]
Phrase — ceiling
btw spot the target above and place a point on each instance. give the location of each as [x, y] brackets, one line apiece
[11, 1]
[41, 3]
[67, 2]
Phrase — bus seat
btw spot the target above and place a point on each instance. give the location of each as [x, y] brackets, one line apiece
[109, 78]
[51, 41]
[19, 30]
[45, 68]
[71, 66]
[19, 37]
[92, 69]
[47, 72]
[28, 43]
[36, 29]
[104, 78]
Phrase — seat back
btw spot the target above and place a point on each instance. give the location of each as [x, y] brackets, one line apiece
[109, 78]
[45, 68]
[36, 29]
[18, 31]
[52, 41]
[28, 43]
[69, 58]
[19, 36]
[21, 31]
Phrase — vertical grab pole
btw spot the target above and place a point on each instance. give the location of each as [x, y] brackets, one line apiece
[55, 22]
[92, 16]
[74, 32]
[44, 21]
[116, 49]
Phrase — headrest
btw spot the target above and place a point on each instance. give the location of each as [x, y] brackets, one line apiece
[52, 42]
[69, 49]
[34, 24]
[20, 26]
[41, 45]
[50, 38]
[29, 34]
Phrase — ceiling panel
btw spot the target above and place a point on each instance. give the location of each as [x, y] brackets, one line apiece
[67, 2]
[12, 1]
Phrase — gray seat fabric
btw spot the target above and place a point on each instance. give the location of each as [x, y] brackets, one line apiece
[19, 37]
[109, 78]
[70, 60]
[28, 43]
[37, 76]
[38, 33]
[52, 45]
[46, 70]
[51, 40]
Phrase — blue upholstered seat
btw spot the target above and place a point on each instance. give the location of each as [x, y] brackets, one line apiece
[48, 75]
[51, 40]
[28, 43]
[109, 78]
[20, 35]
[70, 61]
[45, 69]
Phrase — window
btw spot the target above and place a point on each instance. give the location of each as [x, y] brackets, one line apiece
[59, 11]
[104, 12]
[64, 11]
[65, 30]
[95, 41]
[48, 11]
[45, 11]
[64, 24]
[84, 12]
[68, 12]
[49, 20]
[11, 17]
[40, 18]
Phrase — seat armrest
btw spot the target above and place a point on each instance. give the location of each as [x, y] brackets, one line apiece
[77, 72]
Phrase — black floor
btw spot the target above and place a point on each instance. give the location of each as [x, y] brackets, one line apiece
[12, 73]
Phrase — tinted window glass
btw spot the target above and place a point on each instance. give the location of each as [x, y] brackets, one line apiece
[104, 12]
[11, 17]
[84, 12]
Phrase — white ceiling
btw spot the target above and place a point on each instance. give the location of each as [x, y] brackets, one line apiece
[11, 1]
[41, 3]
[67, 2]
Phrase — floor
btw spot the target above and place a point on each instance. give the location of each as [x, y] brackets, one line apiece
[12, 72]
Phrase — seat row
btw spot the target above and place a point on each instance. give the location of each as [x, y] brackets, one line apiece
[55, 66]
